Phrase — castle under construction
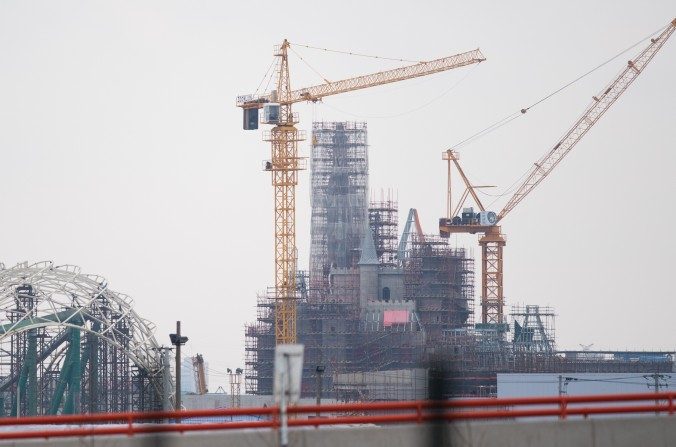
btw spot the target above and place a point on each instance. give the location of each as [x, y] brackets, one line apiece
[380, 311]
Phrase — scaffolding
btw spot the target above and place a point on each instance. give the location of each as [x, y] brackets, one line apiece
[384, 223]
[259, 345]
[339, 195]
[440, 280]
[365, 360]
[328, 331]
[533, 328]
[335, 337]
[341, 314]
[235, 387]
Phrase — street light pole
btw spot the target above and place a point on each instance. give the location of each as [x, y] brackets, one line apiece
[283, 402]
[178, 367]
[177, 340]
[563, 384]
[656, 377]
[320, 371]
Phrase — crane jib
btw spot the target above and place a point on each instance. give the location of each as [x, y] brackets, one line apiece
[419, 69]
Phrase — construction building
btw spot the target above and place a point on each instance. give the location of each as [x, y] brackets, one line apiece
[383, 314]
[339, 197]
[361, 308]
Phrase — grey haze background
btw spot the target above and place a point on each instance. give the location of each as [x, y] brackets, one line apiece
[122, 149]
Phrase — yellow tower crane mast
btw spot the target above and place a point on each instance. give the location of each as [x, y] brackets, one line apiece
[485, 222]
[285, 161]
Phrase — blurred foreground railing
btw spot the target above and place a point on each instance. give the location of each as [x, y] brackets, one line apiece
[337, 414]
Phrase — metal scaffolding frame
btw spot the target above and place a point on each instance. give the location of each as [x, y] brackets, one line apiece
[384, 224]
[440, 279]
[533, 328]
[339, 196]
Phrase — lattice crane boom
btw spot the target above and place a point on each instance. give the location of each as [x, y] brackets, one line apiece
[600, 104]
[492, 240]
[285, 161]
[317, 92]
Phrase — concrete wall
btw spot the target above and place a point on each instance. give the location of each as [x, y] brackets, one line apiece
[373, 312]
[399, 384]
[393, 278]
[344, 283]
[579, 384]
[368, 284]
[219, 400]
[373, 307]
[653, 432]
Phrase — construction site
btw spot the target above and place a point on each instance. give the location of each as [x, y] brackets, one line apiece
[382, 313]
[385, 310]
[379, 310]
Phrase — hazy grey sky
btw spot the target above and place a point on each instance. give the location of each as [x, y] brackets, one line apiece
[122, 149]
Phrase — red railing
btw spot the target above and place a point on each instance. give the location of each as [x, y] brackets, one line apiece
[363, 413]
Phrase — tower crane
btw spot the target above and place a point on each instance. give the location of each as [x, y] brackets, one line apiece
[285, 161]
[485, 223]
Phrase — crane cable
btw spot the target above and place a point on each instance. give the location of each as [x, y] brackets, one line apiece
[350, 53]
[272, 74]
[511, 117]
[422, 106]
[291, 45]
[326, 80]
[515, 115]
[274, 59]
[308, 64]
[509, 190]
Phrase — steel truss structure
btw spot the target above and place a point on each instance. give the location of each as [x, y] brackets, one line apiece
[69, 344]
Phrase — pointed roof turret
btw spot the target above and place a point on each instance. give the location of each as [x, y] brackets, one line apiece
[368, 248]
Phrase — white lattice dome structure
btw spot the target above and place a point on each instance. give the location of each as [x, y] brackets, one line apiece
[68, 343]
